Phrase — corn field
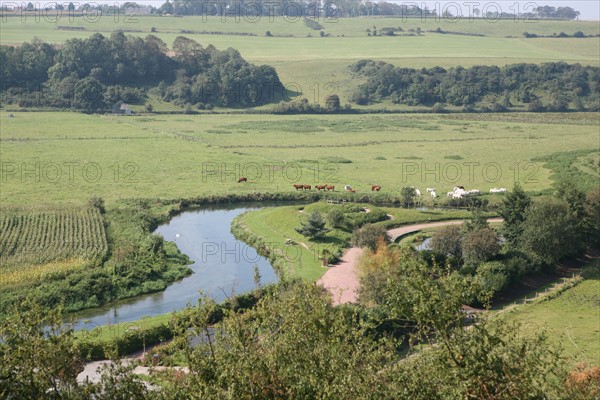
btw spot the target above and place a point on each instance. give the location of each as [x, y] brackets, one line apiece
[38, 242]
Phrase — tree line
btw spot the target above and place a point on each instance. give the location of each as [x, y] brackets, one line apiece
[556, 86]
[96, 73]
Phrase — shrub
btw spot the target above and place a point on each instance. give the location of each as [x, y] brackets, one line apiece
[480, 245]
[492, 276]
[369, 235]
[447, 241]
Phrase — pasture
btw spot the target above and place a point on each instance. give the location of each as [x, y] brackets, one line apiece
[570, 319]
[317, 66]
[304, 259]
[58, 157]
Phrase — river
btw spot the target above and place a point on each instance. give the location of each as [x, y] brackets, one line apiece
[222, 267]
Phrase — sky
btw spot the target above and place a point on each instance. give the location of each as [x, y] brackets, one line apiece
[589, 9]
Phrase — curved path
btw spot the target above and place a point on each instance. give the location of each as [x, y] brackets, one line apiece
[342, 280]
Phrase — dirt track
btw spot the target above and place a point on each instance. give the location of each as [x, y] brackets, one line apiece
[342, 280]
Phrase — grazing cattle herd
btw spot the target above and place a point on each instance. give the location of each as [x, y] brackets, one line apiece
[458, 192]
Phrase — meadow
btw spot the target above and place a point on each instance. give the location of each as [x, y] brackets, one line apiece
[316, 66]
[59, 157]
[570, 319]
[275, 225]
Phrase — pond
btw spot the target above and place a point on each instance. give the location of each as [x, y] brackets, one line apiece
[222, 267]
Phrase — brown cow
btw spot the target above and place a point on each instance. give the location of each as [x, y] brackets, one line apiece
[299, 187]
[320, 187]
[375, 188]
[307, 187]
[332, 188]
[242, 179]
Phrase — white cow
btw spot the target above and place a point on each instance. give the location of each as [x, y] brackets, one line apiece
[458, 193]
[429, 190]
[347, 187]
[418, 192]
[473, 192]
[496, 190]
[433, 194]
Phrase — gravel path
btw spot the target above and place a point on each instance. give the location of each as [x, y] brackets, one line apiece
[342, 280]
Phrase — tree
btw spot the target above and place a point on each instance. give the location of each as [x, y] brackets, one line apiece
[332, 102]
[549, 231]
[408, 194]
[369, 236]
[477, 221]
[480, 245]
[166, 8]
[335, 217]
[37, 354]
[291, 345]
[492, 277]
[513, 210]
[89, 95]
[574, 198]
[447, 241]
[314, 226]
[592, 209]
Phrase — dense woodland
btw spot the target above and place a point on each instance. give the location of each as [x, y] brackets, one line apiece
[546, 87]
[97, 73]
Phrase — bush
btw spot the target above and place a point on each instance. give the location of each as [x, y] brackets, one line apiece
[492, 276]
[369, 235]
[335, 217]
[480, 245]
[438, 108]
[447, 241]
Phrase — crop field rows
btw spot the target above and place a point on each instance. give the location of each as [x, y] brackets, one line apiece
[37, 242]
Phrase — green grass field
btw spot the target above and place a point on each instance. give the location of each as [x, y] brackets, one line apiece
[571, 319]
[316, 66]
[61, 157]
[275, 225]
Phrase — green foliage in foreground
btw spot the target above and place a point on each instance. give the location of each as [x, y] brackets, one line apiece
[294, 345]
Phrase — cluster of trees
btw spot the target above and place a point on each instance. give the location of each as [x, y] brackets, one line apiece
[577, 34]
[296, 8]
[537, 234]
[545, 87]
[94, 74]
[303, 106]
[549, 12]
